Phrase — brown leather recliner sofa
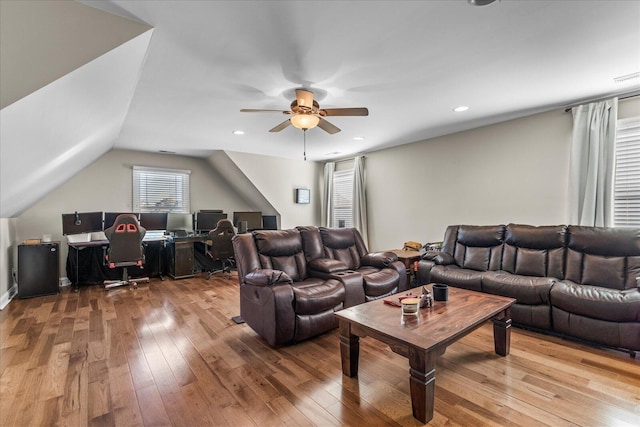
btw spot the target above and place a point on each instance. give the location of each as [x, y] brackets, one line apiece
[576, 281]
[291, 283]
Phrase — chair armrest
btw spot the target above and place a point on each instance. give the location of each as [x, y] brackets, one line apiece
[440, 258]
[327, 265]
[267, 277]
[379, 259]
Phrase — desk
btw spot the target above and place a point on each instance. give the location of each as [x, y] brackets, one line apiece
[87, 264]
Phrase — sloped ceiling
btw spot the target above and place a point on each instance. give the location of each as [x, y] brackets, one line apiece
[49, 133]
[41, 41]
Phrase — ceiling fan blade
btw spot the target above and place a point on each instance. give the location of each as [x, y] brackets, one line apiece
[362, 111]
[304, 98]
[328, 127]
[281, 126]
[253, 110]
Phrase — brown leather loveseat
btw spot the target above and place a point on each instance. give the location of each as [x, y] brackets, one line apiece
[290, 285]
[581, 282]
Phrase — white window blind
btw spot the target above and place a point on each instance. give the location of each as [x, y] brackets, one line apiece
[160, 190]
[342, 199]
[626, 190]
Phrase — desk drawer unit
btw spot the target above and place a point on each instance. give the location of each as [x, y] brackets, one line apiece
[180, 259]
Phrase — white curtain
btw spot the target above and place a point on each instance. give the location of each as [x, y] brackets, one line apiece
[592, 163]
[327, 207]
[360, 199]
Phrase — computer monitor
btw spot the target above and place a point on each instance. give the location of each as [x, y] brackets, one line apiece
[153, 220]
[207, 221]
[253, 219]
[81, 222]
[180, 222]
[110, 218]
[269, 222]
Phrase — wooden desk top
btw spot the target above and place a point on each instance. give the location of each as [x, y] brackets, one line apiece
[439, 326]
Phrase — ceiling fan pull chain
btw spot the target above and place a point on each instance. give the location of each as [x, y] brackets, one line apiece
[304, 132]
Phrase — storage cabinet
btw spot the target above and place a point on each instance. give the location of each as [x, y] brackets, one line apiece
[38, 269]
[179, 258]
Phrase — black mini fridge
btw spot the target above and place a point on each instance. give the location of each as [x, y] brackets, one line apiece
[38, 269]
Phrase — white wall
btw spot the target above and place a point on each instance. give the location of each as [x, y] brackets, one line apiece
[277, 179]
[515, 171]
[8, 257]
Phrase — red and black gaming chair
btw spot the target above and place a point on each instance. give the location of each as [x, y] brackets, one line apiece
[125, 249]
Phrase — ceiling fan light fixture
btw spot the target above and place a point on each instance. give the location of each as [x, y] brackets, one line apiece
[480, 2]
[305, 121]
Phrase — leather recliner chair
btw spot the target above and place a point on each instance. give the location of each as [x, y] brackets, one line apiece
[278, 297]
[343, 252]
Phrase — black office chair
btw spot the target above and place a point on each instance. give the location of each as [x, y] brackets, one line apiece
[125, 249]
[221, 248]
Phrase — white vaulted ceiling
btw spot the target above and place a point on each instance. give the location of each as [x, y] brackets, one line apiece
[95, 76]
[409, 62]
[68, 80]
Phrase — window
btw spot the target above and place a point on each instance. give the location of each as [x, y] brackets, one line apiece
[160, 190]
[626, 187]
[342, 198]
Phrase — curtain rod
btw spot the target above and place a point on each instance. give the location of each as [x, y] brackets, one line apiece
[346, 160]
[620, 98]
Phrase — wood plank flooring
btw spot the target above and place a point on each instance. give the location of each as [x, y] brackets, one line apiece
[168, 353]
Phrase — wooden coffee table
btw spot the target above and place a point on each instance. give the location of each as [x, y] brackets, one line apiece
[423, 338]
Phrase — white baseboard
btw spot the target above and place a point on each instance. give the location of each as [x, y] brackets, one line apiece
[64, 281]
[8, 296]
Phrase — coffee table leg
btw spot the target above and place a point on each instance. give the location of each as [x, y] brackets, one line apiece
[502, 333]
[422, 383]
[349, 350]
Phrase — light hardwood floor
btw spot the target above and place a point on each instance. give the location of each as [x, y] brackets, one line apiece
[169, 354]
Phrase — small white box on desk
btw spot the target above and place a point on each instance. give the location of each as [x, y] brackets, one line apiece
[79, 238]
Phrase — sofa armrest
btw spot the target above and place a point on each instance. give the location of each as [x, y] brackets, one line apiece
[267, 277]
[438, 257]
[327, 265]
[423, 273]
[379, 259]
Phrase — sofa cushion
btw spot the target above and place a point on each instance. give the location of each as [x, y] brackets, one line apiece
[534, 251]
[282, 250]
[525, 289]
[313, 296]
[597, 302]
[480, 235]
[380, 282]
[607, 257]
[616, 334]
[458, 277]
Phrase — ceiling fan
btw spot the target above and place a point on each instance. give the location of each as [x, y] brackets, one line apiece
[306, 113]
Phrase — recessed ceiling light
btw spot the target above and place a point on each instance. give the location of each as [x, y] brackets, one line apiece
[461, 108]
[333, 153]
[358, 138]
[238, 132]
